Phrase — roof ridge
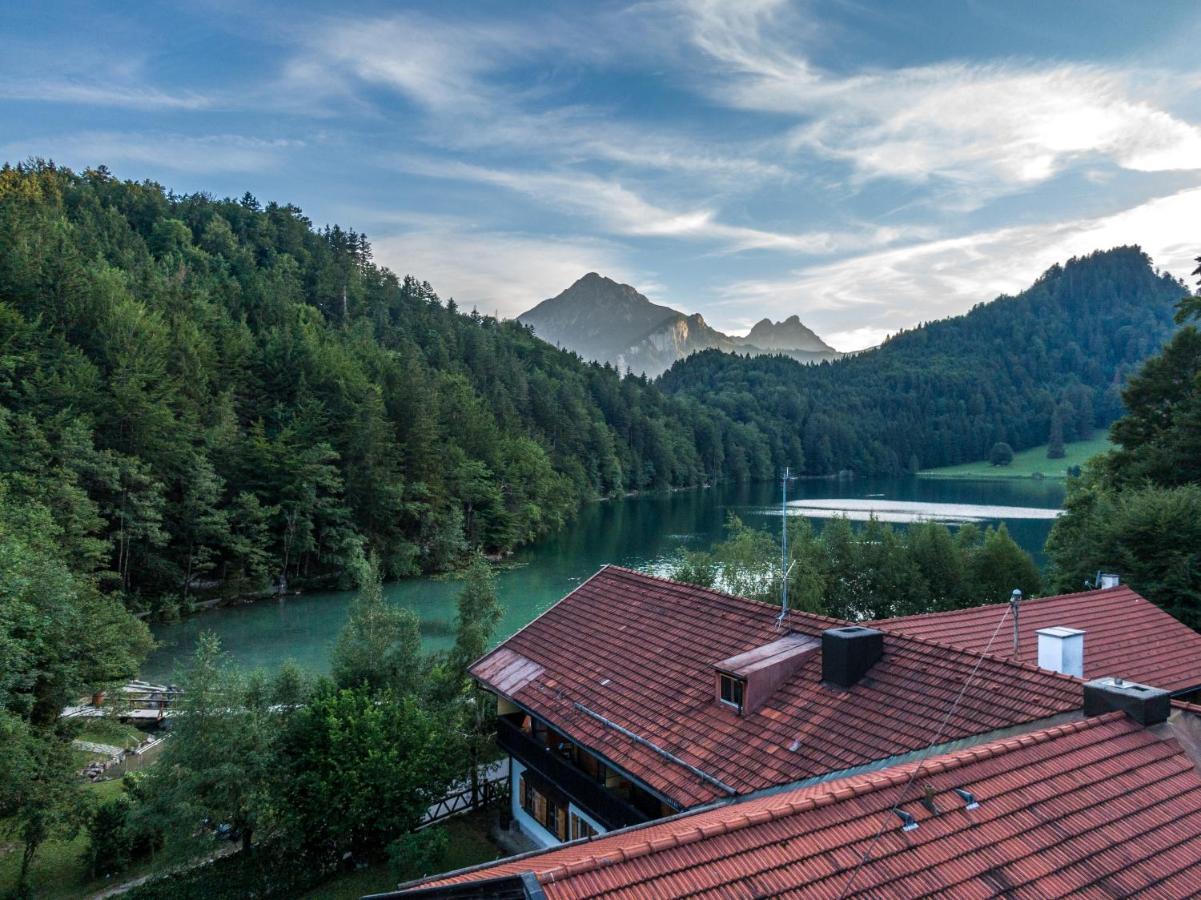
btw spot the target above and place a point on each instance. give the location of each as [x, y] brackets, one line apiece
[967, 651]
[967, 609]
[839, 622]
[835, 792]
[726, 594]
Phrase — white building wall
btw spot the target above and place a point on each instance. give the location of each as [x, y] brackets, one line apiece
[600, 829]
[528, 825]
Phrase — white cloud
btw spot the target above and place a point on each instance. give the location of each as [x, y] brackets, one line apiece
[901, 287]
[173, 152]
[436, 64]
[100, 93]
[983, 129]
[621, 210]
[498, 272]
[457, 73]
[856, 338]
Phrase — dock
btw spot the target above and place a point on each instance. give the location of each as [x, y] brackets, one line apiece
[137, 701]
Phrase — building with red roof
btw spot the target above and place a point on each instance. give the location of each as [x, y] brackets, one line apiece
[1100, 807]
[1124, 635]
[635, 697]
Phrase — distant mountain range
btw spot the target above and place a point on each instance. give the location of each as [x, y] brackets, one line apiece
[605, 321]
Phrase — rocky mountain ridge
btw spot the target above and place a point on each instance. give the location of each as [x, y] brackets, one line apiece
[602, 320]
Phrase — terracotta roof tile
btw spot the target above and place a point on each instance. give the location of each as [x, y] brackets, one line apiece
[1125, 635]
[1099, 807]
[640, 652]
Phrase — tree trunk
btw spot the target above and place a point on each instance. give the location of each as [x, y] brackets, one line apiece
[31, 848]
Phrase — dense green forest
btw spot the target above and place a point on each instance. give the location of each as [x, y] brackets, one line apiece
[210, 393]
[1137, 509]
[946, 392]
[868, 571]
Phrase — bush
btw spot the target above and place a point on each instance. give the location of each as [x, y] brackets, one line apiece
[1001, 454]
[117, 839]
[261, 873]
[110, 843]
[418, 854]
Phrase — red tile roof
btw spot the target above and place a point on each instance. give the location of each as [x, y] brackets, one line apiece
[1101, 807]
[1125, 635]
[640, 652]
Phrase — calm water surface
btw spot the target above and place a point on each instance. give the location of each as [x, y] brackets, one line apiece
[640, 532]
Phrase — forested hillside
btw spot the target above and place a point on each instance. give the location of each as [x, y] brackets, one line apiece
[209, 393]
[945, 392]
[1137, 509]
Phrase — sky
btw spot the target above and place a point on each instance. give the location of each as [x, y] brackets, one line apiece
[866, 166]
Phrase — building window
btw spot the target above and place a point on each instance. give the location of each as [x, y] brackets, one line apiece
[545, 810]
[580, 828]
[732, 689]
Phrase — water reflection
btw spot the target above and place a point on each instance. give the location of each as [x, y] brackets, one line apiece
[640, 532]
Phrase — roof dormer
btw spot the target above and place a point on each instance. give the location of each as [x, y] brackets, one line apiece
[746, 681]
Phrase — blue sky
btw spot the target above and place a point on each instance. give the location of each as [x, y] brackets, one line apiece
[867, 166]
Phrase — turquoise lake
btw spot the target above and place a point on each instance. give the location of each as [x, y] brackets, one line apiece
[644, 532]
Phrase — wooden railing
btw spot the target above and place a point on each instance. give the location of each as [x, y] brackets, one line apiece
[597, 800]
[485, 793]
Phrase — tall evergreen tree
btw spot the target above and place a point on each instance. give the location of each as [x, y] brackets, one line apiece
[1055, 449]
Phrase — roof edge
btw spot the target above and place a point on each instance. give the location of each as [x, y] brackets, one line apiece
[837, 791]
[492, 650]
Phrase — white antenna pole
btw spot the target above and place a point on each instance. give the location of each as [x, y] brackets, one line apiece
[784, 543]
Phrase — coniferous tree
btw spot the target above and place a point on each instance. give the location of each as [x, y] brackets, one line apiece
[380, 645]
[237, 397]
[1055, 448]
[1135, 511]
[949, 390]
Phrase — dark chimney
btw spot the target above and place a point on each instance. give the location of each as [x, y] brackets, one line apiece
[848, 652]
[1146, 705]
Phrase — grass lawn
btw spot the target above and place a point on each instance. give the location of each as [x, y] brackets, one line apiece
[1026, 463]
[58, 869]
[110, 731]
[468, 845]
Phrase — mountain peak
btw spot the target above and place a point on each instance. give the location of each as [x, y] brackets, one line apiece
[791, 334]
[593, 278]
[607, 321]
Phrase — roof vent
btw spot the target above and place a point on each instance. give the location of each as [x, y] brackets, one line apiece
[968, 798]
[1061, 649]
[908, 822]
[848, 653]
[1146, 705]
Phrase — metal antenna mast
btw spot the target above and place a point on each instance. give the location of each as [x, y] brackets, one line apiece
[1015, 604]
[784, 543]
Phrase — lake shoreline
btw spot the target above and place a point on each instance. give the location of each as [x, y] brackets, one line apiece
[644, 533]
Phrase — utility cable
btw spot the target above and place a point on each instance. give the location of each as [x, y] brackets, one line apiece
[885, 817]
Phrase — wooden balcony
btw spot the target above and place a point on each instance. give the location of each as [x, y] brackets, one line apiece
[595, 799]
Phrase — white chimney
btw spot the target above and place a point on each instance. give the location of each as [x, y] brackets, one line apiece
[1108, 580]
[1061, 650]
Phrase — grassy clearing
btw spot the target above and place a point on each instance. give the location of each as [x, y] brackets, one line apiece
[1027, 463]
[110, 731]
[58, 870]
[468, 845]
